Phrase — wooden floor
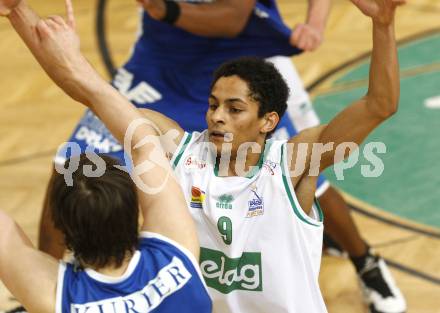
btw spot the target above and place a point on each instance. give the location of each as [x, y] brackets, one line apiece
[36, 117]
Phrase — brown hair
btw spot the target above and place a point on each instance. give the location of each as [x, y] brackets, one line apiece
[97, 215]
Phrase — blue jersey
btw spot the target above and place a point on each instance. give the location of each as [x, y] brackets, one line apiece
[161, 277]
[164, 45]
[170, 70]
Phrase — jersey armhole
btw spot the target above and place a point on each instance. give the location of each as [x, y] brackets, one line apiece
[180, 149]
[299, 212]
[178, 246]
[60, 287]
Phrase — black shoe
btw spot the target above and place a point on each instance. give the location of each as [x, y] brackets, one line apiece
[331, 247]
[379, 288]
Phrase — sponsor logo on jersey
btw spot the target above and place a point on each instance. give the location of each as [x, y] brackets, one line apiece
[197, 198]
[142, 93]
[193, 162]
[226, 274]
[255, 205]
[169, 155]
[97, 140]
[168, 280]
[270, 166]
[224, 202]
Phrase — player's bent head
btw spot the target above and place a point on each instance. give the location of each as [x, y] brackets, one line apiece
[265, 83]
[97, 215]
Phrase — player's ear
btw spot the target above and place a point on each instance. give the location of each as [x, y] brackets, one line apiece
[269, 122]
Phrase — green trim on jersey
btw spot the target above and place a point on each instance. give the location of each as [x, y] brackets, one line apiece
[186, 139]
[320, 212]
[256, 168]
[290, 192]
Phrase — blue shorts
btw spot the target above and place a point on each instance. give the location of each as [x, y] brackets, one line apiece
[175, 96]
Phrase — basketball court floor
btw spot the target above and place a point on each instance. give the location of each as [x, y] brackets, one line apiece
[397, 212]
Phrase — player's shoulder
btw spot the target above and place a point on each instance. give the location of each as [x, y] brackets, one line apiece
[160, 246]
[308, 135]
[191, 143]
[163, 250]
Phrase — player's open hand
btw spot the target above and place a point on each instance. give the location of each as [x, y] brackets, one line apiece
[306, 37]
[6, 6]
[381, 11]
[60, 55]
[57, 36]
[155, 8]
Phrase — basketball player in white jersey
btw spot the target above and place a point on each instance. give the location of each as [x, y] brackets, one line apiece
[215, 20]
[259, 230]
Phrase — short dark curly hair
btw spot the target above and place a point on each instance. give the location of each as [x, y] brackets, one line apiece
[265, 83]
[98, 216]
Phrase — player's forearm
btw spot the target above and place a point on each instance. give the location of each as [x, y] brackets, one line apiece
[111, 107]
[76, 76]
[356, 121]
[24, 21]
[384, 84]
[217, 19]
[317, 13]
[114, 110]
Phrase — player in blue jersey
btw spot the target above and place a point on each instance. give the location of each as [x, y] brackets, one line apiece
[96, 207]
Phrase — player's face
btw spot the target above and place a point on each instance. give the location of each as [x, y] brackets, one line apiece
[232, 110]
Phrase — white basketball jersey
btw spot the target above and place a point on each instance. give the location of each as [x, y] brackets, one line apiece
[259, 251]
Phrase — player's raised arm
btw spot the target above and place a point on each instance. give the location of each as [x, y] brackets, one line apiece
[68, 68]
[356, 121]
[161, 199]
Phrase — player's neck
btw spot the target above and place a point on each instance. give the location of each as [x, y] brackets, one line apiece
[239, 164]
[113, 270]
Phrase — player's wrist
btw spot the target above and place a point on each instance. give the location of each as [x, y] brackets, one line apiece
[383, 22]
[383, 26]
[13, 11]
[72, 80]
[317, 26]
[7, 7]
[172, 12]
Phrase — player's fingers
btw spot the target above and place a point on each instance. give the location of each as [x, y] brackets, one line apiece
[52, 24]
[145, 3]
[43, 30]
[70, 14]
[296, 34]
[308, 44]
[57, 19]
[315, 41]
[311, 43]
[302, 43]
[297, 40]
